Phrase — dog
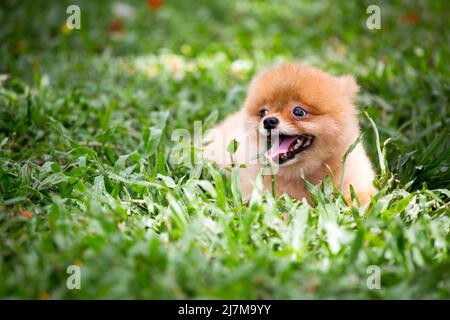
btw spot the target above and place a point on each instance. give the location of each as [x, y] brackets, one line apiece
[310, 118]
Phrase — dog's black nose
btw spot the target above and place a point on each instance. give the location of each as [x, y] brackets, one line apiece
[270, 123]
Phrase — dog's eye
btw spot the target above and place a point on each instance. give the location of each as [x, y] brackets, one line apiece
[299, 112]
[263, 112]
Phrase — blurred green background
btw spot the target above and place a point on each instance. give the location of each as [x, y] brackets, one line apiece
[85, 123]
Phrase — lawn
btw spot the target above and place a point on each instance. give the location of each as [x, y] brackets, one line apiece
[90, 174]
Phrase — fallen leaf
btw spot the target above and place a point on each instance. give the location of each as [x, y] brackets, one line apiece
[26, 213]
[155, 4]
[116, 26]
[410, 18]
[43, 295]
[65, 29]
[20, 46]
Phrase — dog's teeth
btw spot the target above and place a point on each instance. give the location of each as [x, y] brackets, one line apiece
[299, 143]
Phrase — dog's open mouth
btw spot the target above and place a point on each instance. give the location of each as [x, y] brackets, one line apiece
[288, 147]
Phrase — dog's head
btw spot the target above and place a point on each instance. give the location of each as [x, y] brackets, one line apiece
[309, 114]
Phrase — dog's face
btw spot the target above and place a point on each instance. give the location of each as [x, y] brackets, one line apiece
[308, 114]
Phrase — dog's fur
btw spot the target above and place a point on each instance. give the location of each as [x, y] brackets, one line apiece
[331, 119]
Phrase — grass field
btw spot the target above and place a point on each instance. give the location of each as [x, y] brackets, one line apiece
[86, 118]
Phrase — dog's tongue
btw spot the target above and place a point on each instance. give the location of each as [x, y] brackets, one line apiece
[280, 148]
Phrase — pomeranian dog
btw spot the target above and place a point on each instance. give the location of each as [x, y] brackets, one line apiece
[310, 119]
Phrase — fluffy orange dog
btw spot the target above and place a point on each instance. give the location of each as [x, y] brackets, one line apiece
[310, 118]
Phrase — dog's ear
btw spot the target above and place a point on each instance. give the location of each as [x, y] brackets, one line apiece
[349, 86]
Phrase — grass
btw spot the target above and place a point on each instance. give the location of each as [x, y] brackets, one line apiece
[89, 174]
